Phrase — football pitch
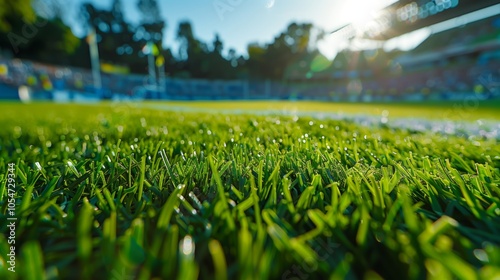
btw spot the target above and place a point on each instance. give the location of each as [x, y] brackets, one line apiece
[221, 190]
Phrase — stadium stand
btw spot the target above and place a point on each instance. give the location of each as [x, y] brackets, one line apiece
[468, 62]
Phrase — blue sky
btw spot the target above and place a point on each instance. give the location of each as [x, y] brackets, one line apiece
[240, 22]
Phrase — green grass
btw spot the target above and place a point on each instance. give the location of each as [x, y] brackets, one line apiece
[111, 191]
[465, 110]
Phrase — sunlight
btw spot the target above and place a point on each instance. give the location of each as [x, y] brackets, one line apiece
[364, 15]
[358, 12]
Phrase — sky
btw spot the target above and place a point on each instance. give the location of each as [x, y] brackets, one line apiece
[240, 22]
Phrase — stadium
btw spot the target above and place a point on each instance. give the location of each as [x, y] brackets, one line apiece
[359, 143]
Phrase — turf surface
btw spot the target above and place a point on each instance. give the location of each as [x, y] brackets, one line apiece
[120, 192]
[469, 109]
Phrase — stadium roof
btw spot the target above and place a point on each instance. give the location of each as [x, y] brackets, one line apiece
[406, 16]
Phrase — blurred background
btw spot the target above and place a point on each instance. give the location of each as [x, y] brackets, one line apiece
[343, 51]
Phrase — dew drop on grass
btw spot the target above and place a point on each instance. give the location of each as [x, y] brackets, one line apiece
[38, 166]
[481, 255]
[187, 245]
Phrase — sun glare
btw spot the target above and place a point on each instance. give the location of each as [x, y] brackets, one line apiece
[357, 12]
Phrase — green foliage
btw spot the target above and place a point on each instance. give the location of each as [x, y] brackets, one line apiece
[44, 40]
[14, 10]
[119, 190]
[57, 39]
[121, 43]
[198, 60]
[275, 59]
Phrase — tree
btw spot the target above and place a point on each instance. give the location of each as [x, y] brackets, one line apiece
[152, 24]
[218, 46]
[219, 67]
[119, 43]
[39, 35]
[13, 11]
[49, 9]
[188, 44]
[256, 63]
[197, 60]
[54, 44]
[117, 11]
[150, 11]
[192, 52]
[271, 61]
